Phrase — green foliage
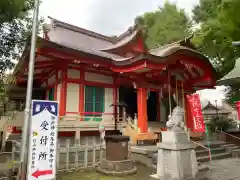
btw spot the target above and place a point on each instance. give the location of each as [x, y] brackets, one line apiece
[232, 95]
[166, 25]
[219, 26]
[15, 28]
[219, 124]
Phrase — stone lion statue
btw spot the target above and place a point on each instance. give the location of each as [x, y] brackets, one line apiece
[176, 120]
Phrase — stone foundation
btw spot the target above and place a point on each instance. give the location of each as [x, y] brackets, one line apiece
[176, 157]
[117, 168]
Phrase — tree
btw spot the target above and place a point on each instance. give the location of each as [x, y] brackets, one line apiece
[219, 25]
[166, 25]
[15, 28]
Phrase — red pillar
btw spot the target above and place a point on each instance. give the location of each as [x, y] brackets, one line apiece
[158, 106]
[115, 99]
[81, 95]
[46, 93]
[142, 110]
[63, 93]
[55, 86]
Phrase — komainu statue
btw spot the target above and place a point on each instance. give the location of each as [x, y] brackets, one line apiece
[176, 120]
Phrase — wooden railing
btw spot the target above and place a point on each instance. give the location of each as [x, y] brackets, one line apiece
[69, 156]
[227, 137]
[130, 123]
[79, 121]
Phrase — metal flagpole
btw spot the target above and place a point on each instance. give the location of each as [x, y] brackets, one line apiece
[27, 111]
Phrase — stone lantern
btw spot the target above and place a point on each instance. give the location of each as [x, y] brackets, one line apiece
[117, 160]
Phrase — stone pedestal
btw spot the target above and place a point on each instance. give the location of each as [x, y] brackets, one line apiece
[176, 157]
[117, 161]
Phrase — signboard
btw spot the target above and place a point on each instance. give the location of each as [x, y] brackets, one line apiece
[43, 140]
[195, 113]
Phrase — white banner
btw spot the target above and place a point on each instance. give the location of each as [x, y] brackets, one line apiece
[43, 140]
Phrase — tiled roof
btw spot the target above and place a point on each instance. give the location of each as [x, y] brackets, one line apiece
[233, 77]
[123, 41]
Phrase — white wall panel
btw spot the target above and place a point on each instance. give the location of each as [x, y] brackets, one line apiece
[72, 99]
[58, 92]
[73, 73]
[52, 79]
[98, 78]
[108, 98]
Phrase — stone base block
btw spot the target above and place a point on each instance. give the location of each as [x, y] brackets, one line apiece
[117, 168]
[236, 153]
[174, 137]
[176, 159]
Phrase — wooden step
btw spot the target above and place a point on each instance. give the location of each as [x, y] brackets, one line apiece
[146, 136]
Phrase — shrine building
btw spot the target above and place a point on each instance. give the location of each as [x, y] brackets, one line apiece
[89, 74]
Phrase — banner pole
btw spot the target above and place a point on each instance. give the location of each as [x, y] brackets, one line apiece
[22, 173]
[209, 147]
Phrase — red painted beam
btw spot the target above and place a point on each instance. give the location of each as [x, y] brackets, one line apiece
[56, 85]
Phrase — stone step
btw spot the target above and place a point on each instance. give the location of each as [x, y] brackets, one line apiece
[203, 168]
[228, 145]
[212, 146]
[230, 149]
[236, 153]
[214, 157]
[205, 152]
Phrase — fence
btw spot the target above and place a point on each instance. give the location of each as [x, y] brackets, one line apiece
[70, 157]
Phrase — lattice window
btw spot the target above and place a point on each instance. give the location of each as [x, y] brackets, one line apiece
[94, 102]
[51, 94]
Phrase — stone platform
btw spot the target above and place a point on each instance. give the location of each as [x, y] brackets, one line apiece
[117, 161]
[117, 168]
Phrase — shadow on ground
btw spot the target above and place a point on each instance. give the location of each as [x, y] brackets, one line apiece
[142, 174]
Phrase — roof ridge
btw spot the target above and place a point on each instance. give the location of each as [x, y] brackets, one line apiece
[59, 23]
[174, 43]
[129, 31]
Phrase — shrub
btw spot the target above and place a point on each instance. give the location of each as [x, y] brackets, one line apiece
[219, 124]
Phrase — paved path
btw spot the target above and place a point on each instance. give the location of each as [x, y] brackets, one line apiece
[226, 169]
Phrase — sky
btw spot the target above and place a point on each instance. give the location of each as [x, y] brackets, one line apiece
[112, 17]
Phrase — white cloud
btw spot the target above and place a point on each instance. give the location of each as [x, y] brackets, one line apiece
[213, 95]
[109, 17]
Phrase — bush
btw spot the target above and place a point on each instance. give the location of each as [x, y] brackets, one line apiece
[219, 124]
